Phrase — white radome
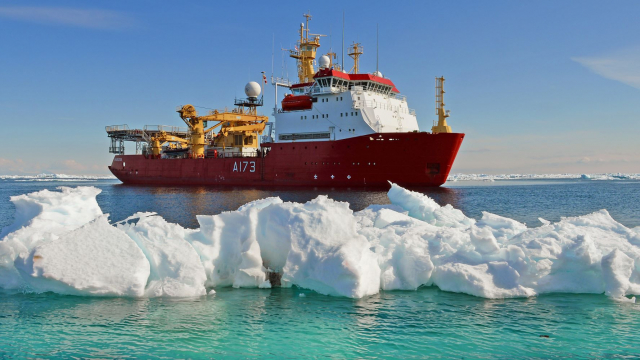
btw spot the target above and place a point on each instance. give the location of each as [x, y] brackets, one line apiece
[324, 62]
[252, 89]
[378, 74]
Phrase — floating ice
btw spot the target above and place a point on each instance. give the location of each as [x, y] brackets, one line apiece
[61, 242]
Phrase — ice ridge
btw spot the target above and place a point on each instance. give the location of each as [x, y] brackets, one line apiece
[61, 241]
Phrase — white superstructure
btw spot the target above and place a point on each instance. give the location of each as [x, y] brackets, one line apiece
[345, 106]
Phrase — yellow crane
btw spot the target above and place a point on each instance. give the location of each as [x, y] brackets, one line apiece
[162, 138]
[239, 127]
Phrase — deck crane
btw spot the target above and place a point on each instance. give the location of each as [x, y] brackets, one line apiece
[239, 127]
[162, 138]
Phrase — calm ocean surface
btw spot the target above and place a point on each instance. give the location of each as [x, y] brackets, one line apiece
[296, 323]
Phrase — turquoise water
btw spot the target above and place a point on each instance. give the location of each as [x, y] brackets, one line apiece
[296, 323]
[280, 323]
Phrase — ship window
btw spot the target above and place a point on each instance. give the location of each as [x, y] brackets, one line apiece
[352, 113]
[340, 114]
[340, 98]
[301, 117]
[356, 113]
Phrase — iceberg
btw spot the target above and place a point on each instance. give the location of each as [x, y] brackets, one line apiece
[62, 242]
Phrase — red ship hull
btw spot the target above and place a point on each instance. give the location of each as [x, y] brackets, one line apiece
[408, 159]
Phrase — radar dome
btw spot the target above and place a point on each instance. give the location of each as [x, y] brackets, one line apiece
[324, 62]
[378, 74]
[252, 89]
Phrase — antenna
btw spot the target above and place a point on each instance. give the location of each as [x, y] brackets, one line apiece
[342, 55]
[377, 46]
[273, 46]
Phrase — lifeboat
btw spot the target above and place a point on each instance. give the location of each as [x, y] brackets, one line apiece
[296, 102]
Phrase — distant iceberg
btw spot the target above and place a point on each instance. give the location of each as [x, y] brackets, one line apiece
[487, 177]
[55, 177]
[61, 241]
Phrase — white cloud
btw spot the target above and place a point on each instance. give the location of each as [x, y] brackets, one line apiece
[88, 18]
[622, 65]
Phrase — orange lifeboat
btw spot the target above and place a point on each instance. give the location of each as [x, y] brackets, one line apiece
[296, 102]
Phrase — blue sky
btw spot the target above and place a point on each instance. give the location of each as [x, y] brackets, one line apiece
[537, 86]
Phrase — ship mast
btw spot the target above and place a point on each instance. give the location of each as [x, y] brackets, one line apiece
[443, 114]
[305, 52]
[355, 52]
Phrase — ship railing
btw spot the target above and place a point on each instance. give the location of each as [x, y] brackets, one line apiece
[360, 104]
[166, 128]
[116, 128]
[280, 82]
[401, 97]
[328, 90]
[234, 154]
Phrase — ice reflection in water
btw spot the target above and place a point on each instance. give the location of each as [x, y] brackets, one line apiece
[279, 323]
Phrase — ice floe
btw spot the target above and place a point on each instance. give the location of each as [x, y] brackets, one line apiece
[61, 241]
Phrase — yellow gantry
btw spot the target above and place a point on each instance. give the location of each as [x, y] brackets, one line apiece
[442, 126]
[240, 127]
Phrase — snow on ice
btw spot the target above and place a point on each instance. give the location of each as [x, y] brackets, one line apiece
[61, 241]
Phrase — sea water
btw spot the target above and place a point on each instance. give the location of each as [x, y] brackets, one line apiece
[294, 322]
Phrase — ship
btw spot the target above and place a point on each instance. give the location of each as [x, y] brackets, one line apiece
[333, 128]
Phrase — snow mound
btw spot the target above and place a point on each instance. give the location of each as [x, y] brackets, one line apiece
[95, 259]
[61, 241]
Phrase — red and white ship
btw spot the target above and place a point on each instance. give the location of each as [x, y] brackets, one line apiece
[333, 128]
